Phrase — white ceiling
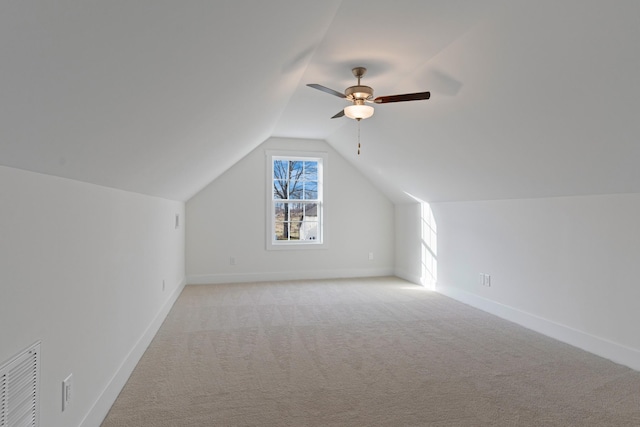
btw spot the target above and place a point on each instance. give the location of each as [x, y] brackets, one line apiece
[529, 98]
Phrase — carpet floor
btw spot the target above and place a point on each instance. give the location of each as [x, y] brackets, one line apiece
[362, 352]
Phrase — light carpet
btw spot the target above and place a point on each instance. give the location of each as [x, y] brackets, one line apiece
[362, 352]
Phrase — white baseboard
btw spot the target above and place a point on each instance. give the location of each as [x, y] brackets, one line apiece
[210, 279]
[103, 404]
[599, 346]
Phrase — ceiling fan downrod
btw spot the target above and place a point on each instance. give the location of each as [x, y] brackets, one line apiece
[359, 73]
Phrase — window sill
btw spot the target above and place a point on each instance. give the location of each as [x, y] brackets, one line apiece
[295, 246]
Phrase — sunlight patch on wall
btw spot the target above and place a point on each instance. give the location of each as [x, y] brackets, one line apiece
[428, 245]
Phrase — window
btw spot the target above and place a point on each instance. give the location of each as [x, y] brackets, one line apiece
[295, 200]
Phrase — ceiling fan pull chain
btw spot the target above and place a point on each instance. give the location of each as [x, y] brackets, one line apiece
[358, 137]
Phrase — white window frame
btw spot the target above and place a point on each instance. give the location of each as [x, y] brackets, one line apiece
[271, 242]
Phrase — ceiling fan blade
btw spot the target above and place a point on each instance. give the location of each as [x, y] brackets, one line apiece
[339, 114]
[400, 98]
[327, 90]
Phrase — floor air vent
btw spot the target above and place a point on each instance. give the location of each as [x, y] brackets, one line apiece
[19, 379]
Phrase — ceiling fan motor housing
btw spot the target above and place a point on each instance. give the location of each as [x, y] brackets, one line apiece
[358, 92]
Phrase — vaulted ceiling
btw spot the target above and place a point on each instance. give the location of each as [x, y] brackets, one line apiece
[529, 98]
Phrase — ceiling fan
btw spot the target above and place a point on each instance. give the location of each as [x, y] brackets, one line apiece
[360, 95]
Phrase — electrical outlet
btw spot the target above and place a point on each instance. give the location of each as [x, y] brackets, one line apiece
[163, 287]
[232, 261]
[67, 391]
[370, 256]
[485, 279]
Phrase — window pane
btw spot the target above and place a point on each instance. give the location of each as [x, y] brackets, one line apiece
[311, 211]
[294, 230]
[295, 170]
[296, 211]
[279, 189]
[309, 230]
[281, 231]
[311, 171]
[295, 190]
[311, 190]
[280, 169]
[280, 214]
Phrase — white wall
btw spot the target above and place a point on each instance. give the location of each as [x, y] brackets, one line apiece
[567, 266]
[82, 270]
[228, 219]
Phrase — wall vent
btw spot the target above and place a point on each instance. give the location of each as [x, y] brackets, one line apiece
[19, 384]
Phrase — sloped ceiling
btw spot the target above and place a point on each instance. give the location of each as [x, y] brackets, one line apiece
[529, 98]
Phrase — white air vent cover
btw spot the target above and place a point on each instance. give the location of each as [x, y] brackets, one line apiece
[19, 379]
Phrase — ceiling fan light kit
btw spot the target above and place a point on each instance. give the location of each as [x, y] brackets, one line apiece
[358, 112]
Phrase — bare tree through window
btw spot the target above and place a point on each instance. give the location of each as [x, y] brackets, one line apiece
[295, 195]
